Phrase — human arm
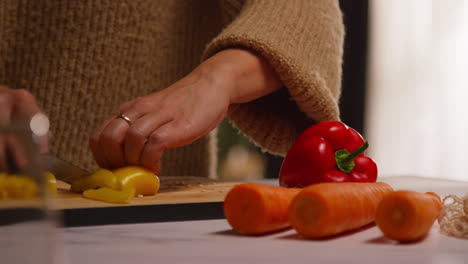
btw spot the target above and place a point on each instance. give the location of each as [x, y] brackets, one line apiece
[300, 40]
[184, 111]
[303, 42]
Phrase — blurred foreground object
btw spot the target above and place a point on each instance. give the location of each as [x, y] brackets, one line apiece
[27, 223]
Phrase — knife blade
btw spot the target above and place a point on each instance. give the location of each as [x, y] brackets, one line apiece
[63, 170]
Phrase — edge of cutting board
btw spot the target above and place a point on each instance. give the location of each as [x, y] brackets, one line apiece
[141, 214]
[180, 198]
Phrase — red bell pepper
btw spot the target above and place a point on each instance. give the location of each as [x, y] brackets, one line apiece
[327, 152]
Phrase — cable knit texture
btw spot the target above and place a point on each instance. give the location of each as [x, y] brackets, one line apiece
[81, 59]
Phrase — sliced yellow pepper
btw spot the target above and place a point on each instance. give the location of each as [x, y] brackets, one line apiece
[109, 195]
[51, 183]
[22, 187]
[98, 179]
[102, 182]
[144, 181]
[17, 187]
[3, 189]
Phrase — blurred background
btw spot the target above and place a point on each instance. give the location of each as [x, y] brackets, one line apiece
[405, 88]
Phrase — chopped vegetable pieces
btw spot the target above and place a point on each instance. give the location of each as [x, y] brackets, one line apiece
[142, 181]
[20, 187]
[109, 195]
[97, 179]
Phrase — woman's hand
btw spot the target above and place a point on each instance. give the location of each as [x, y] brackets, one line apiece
[176, 116]
[16, 105]
[181, 113]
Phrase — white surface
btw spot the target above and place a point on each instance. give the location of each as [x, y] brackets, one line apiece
[212, 241]
[31, 242]
[439, 186]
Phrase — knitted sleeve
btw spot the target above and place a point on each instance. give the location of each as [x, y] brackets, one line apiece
[303, 41]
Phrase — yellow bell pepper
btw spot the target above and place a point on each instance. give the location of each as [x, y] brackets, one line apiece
[98, 179]
[3, 190]
[22, 187]
[109, 195]
[101, 184]
[51, 183]
[17, 187]
[144, 181]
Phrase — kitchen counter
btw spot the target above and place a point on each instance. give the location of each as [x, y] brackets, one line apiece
[213, 241]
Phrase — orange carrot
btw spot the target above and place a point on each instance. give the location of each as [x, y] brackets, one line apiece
[255, 209]
[407, 215]
[328, 209]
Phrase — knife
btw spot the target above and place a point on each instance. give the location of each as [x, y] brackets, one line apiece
[63, 170]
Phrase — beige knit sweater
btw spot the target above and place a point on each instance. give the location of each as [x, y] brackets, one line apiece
[81, 59]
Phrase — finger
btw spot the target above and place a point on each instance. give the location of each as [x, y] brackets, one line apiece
[111, 140]
[12, 154]
[154, 148]
[104, 140]
[113, 136]
[25, 108]
[170, 135]
[16, 152]
[3, 157]
[17, 104]
[138, 133]
[25, 104]
[6, 106]
[108, 142]
[125, 106]
[98, 153]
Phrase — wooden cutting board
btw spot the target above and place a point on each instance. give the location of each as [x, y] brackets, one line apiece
[173, 190]
[179, 198]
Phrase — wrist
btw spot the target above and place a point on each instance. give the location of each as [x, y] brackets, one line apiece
[221, 73]
[242, 74]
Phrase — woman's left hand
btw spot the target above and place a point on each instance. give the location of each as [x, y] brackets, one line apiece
[181, 113]
[176, 116]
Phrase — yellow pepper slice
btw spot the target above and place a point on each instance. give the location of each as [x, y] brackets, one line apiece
[24, 188]
[142, 180]
[3, 189]
[100, 184]
[51, 183]
[109, 195]
[98, 179]
[17, 187]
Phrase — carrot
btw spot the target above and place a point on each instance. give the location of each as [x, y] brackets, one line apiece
[328, 209]
[407, 215]
[255, 209]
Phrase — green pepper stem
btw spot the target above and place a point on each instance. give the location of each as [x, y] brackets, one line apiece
[356, 152]
[345, 159]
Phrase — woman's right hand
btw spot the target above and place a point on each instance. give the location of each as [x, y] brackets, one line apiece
[16, 104]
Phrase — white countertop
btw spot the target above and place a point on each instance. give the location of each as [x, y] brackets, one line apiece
[213, 241]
